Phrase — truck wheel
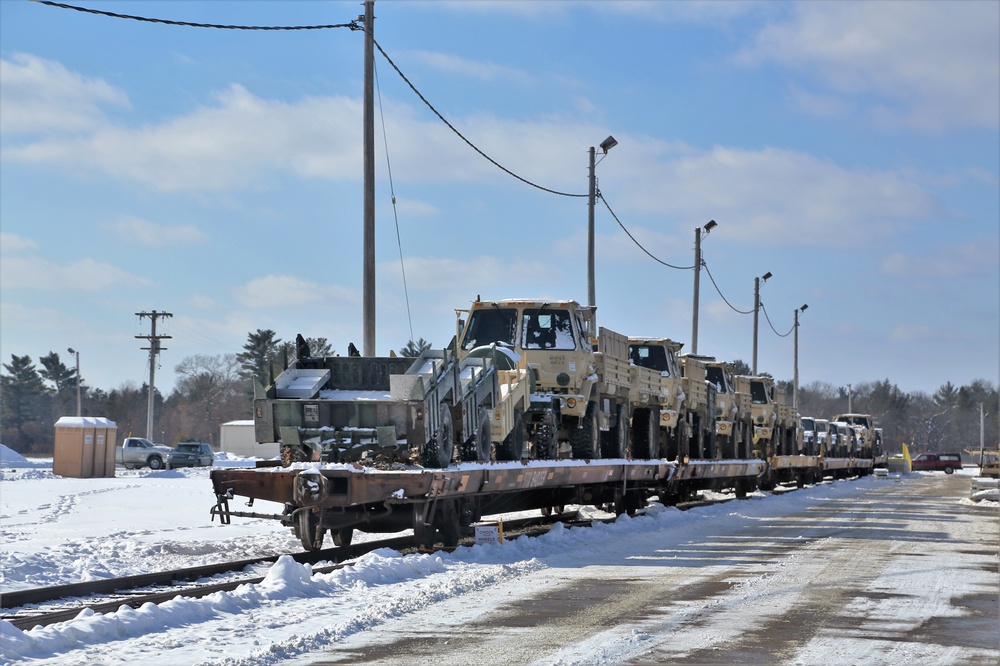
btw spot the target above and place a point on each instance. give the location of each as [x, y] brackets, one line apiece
[438, 450]
[484, 440]
[645, 434]
[547, 437]
[948, 470]
[155, 462]
[512, 447]
[614, 442]
[583, 440]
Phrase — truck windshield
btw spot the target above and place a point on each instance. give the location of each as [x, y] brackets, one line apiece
[758, 393]
[653, 357]
[490, 325]
[714, 374]
[808, 424]
[548, 329]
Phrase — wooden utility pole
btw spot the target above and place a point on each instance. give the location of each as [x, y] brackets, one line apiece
[368, 344]
[154, 350]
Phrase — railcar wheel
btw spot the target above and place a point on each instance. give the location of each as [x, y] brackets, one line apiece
[308, 530]
[342, 536]
[583, 439]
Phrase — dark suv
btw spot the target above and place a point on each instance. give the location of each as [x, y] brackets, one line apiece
[191, 454]
[932, 462]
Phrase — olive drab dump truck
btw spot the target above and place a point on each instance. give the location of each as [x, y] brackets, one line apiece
[733, 428]
[579, 376]
[686, 424]
[763, 413]
[431, 409]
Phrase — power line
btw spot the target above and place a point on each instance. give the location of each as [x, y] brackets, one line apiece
[780, 335]
[714, 284]
[353, 25]
[462, 137]
[651, 255]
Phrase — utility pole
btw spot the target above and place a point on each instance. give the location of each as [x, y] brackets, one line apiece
[591, 198]
[711, 224]
[795, 384]
[697, 278]
[368, 344]
[756, 311]
[154, 350]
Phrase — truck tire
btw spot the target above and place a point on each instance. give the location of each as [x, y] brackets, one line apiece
[583, 439]
[484, 440]
[614, 442]
[547, 437]
[645, 434]
[948, 470]
[155, 462]
[437, 452]
[512, 447]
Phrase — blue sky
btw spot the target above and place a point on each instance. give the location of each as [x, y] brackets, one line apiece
[851, 149]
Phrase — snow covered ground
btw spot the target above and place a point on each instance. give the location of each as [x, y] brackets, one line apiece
[57, 530]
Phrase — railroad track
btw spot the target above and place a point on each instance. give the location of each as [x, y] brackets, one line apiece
[48, 605]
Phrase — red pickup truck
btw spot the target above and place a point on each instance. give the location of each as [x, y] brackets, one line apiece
[937, 462]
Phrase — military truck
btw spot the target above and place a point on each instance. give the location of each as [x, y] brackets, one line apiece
[432, 410]
[868, 438]
[686, 401]
[579, 375]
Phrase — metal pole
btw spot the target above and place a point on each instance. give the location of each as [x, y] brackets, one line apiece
[591, 197]
[795, 382]
[756, 310]
[368, 343]
[79, 403]
[697, 279]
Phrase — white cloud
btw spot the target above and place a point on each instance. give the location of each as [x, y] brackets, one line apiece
[926, 65]
[11, 243]
[946, 261]
[79, 275]
[287, 291]
[143, 232]
[452, 64]
[42, 96]
[785, 197]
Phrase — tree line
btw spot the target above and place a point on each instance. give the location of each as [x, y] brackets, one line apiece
[212, 390]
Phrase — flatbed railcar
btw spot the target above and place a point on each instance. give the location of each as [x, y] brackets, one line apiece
[437, 504]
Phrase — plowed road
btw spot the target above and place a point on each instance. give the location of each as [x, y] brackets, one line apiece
[902, 571]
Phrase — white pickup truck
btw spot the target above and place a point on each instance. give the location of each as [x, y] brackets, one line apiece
[140, 452]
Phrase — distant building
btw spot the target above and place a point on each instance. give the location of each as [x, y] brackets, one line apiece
[237, 438]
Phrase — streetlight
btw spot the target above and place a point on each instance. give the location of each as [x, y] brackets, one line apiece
[756, 311]
[606, 145]
[78, 405]
[795, 384]
[711, 224]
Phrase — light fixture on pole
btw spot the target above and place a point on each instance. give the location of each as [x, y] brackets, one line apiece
[756, 311]
[795, 383]
[79, 411]
[606, 145]
[711, 224]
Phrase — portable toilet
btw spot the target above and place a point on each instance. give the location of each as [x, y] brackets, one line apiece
[85, 447]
